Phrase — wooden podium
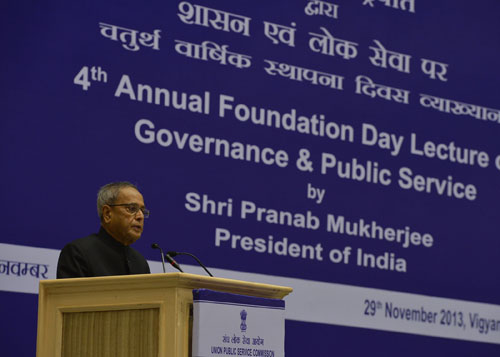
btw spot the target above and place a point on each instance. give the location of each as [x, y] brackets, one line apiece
[125, 316]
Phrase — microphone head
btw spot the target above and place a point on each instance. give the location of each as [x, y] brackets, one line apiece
[155, 246]
[172, 254]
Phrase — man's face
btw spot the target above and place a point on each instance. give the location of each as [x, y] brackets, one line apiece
[124, 226]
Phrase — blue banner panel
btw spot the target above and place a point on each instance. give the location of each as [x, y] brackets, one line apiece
[220, 297]
[348, 341]
[348, 149]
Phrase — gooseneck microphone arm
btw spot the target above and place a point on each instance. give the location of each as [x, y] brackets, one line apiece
[156, 246]
[173, 254]
[168, 257]
[173, 262]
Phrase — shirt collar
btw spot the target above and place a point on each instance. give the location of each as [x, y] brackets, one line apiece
[108, 238]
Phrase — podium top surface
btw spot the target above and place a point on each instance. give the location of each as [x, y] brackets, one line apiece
[161, 281]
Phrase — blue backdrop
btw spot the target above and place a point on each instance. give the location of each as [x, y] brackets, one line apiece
[76, 77]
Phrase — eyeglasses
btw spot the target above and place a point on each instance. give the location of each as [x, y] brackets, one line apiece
[133, 208]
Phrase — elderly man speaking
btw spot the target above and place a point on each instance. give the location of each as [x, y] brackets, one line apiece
[121, 209]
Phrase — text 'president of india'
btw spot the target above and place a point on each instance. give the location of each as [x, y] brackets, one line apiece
[121, 209]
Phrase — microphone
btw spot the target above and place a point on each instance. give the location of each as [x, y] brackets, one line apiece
[173, 262]
[168, 257]
[156, 246]
[173, 254]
